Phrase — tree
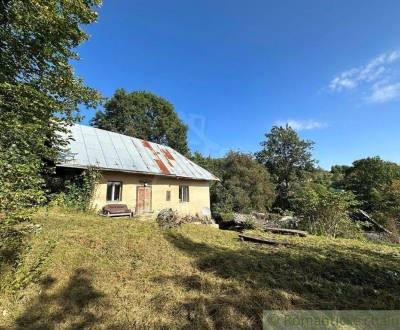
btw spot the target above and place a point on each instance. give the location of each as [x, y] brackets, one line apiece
[220, 198]
[248, 182]
[338, 174]
[39, 94]
[145, 116]
[388, 209]
[368, 177]
[245, 184]
[288, 159]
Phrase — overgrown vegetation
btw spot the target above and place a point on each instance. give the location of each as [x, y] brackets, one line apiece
[39, 97]
[39, 94]
[78, 190]
[322, 199]
[323, 211]
[119, 273]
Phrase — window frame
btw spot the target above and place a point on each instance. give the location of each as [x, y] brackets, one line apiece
[112, 185]
[184, 195]
[168, 195]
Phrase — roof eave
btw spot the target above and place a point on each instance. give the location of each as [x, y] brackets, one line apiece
[83, 167]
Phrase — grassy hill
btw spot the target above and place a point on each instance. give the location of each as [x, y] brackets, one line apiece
[87, 271]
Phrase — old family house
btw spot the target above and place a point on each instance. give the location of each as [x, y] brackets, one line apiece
[146, 176]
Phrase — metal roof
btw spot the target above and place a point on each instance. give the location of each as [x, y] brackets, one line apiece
[93, 147]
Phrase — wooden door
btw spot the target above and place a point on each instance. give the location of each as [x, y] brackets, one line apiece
[143, 199]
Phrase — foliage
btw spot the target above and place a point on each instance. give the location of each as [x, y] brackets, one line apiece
[288, 159]
[320, 176]
[367, 178]
[39, 94]
[325, 212]
[387, 211]
[220, 199]
[145, 116]
[338, 173]
[226, 216]
[245, 184]
[20, 186]
[79, 190]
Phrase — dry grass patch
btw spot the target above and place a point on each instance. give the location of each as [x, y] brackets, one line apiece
[120, 273]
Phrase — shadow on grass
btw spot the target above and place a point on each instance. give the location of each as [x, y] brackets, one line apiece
[253, 278]
[69, 305]
[11, 248]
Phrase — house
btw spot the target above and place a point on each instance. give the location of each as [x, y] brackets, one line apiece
[146, 176]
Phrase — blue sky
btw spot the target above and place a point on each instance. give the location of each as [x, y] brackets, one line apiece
[233, 69]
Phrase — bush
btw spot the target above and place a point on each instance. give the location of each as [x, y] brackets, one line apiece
[226, 216]
[325, 212]
[78, 191]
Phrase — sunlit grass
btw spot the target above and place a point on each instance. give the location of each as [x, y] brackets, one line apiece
[121, 273]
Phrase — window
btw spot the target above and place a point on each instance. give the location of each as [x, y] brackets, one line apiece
[114, 191]
[184, 193]
[168, 196]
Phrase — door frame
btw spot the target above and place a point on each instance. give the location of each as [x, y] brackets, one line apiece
[151, 198]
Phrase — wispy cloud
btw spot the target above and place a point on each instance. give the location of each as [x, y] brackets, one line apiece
[301, 125]
[378, 78]
[384, 93]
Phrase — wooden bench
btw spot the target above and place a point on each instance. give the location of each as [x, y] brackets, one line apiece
[116, 210]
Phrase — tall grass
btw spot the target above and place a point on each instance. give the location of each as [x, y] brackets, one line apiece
[123, 273]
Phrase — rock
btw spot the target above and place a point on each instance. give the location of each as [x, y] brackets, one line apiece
[206, 212]
[240, 218]
[168, 218]
[289, 222]
[259, 215]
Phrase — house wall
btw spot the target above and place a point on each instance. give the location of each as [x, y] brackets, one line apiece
[199, 192]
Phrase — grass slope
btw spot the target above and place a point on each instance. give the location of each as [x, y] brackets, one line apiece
[87, 271]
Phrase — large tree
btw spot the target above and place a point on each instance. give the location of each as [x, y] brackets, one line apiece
[39, 93]
[367, 178]
[245, 184]
[288, 158]
[145, 116]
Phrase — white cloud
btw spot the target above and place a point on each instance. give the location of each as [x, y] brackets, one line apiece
[384, 92]
[374, 70]
[301, 125]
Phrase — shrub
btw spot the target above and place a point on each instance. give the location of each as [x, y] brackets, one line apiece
[78, 191]
[325, 212]
[227, 216]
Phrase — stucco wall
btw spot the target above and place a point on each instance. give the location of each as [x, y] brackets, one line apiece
[199, 192]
